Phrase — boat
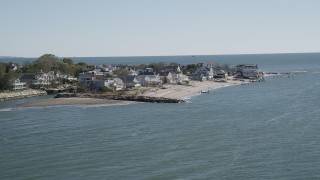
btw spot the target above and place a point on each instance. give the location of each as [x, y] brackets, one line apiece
[202, 91]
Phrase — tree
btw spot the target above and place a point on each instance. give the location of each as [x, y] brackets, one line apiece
[157, 67]
[191, 68]
[105, 89]
[82, 64]
[121, 72]
[46, 62]
[3, 68]
[69, 61]
[7, 79]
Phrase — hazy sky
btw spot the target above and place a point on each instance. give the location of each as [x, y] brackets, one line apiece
[30, 28]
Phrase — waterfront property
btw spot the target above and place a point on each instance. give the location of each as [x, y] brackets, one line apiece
[37, 79]
[220, 74]
[165, 77]
[130, 81]
[112, 83]
[18, 85]
[148, 78]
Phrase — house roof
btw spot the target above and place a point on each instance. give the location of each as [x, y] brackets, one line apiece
[127, 78]
[29, 75]
[247, 66]
[170, 68]
[146, 73]
[163, 73]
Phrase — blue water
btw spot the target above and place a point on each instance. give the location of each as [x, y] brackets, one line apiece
[265, 130]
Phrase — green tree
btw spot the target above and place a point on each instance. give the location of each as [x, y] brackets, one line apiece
[105, 89]
[47, 62]
[121, 72]
[191, 68]
[157, 67]
[3, 68]
[69, 61]
[7, 79]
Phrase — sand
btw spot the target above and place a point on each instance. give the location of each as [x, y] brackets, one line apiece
[168, 91]
[185, 91]
[71, 101]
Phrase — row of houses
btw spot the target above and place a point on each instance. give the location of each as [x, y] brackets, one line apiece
[37, 80]
[172, 74]
[148, 77]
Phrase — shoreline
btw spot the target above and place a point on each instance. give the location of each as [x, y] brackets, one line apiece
[11, 95]
[183, 92]
[170, 93]
[72, 101]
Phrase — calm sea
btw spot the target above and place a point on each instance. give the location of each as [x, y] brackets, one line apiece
[265, 130]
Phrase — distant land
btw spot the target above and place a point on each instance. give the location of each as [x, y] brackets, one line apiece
[193, 55]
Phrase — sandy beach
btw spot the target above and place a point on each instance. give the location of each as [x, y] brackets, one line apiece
[185, 91]
[72, 101]
[167, 91]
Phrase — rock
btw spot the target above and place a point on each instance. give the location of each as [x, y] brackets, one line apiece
[121, 97]
[21, 94]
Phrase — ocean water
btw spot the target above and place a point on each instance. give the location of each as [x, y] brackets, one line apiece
[265, 130]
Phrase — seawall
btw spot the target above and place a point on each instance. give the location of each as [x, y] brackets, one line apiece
[21, 94]
[121, 97]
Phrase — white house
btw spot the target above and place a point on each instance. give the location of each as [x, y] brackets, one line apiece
[165, 77]
[148, 78]
[112, 83]
[38, 79]
[17, 85]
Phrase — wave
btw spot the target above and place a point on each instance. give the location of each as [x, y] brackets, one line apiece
[101, 105]
[6, 109]
[299, 71]
[189, 97]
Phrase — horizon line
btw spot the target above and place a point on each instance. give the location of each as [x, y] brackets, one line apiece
[231, 54]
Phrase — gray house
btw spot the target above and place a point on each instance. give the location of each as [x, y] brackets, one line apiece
[130, 81]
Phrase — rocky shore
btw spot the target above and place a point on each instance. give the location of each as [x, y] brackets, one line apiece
[120, 97]
[21, 94]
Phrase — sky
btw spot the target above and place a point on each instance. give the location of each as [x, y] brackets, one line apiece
[91, 28]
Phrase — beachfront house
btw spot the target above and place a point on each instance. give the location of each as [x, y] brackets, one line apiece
[59, 75]
[112, 83]
[174, 74]
[130, 81]
[86, 78]
[202, 74]
[118, 84]
[17, 85]
[165, 77]
[197, 77]
[220, 74]
[182, 79]
[148, 78]
[248, 71]
[38, 79]
[250, 74]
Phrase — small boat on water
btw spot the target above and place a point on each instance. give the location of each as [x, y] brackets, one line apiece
[207, 91]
